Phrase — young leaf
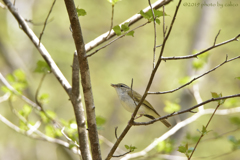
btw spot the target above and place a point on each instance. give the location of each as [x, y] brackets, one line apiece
[117, 30]
[42, 67]
[130, 34]
[81, 12]
[145, 15]
[127, 147]
[100, 120]
[125, 27]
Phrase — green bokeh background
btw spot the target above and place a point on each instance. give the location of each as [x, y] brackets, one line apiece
[126, 59]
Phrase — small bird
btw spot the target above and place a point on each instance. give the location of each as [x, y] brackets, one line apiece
[127, 98]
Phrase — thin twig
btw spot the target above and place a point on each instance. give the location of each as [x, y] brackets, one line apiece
[122, 154]
[186, 110]
[89, 55]
[45, 23]
[116, 132]
[199, 53]
[164, 32]
[111, 22]
[37, 24]
[155, 33]
[203, 133]
[176, 128]
[37, 91]
[216, 37]
[194, 79]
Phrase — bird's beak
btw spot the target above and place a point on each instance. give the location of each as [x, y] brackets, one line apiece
[113, 85]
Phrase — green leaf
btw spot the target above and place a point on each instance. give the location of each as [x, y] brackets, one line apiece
[182, 149]
[25, 111]
[235, 120]
[215, 95]
[42, 67]
[100, 121]
[81, 12]
[5, 89]
[125, 27]
[127, 147]
[157, 21]
[44, 118]
[145, 15]
[19, 75]
[44, 98]
[117, 30]
[131, 33]
[238, 78]
[51, 114]
[171, 107]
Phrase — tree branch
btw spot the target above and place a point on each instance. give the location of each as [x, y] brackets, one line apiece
[186, 110]
[199, 53]
[42, 50]
[135, 18]
[79, 111]
[176, 128]
[194, 79]
[85, 79]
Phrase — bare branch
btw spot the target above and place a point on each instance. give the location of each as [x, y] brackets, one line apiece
[45, 23]
[79, 111]
[155, 33]
[186, 110]
[135, 18]
[194, 79]
[216, 37]
[111, 21]
[122, 154]
[89, 55]
[116, 132]
[199, 53]
[42, 50]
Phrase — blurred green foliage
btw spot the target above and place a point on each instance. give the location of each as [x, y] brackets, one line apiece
[127, 58]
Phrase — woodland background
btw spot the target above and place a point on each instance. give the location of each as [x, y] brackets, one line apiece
[127, 58]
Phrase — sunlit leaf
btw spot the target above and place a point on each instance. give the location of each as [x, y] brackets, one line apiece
[117, 30]
[81, 12]
[42, 67]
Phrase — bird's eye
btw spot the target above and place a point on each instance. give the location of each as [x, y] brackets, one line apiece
[121, 85]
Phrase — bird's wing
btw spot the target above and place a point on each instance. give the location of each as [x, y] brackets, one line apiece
[137, 99]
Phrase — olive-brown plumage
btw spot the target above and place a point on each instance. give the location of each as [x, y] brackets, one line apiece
[127, 98]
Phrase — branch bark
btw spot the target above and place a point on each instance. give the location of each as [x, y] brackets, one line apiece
[135, 18]
[40, 47]
[79, 111]
[85, 79]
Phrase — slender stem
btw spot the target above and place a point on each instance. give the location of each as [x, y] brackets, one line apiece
[203, 133]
